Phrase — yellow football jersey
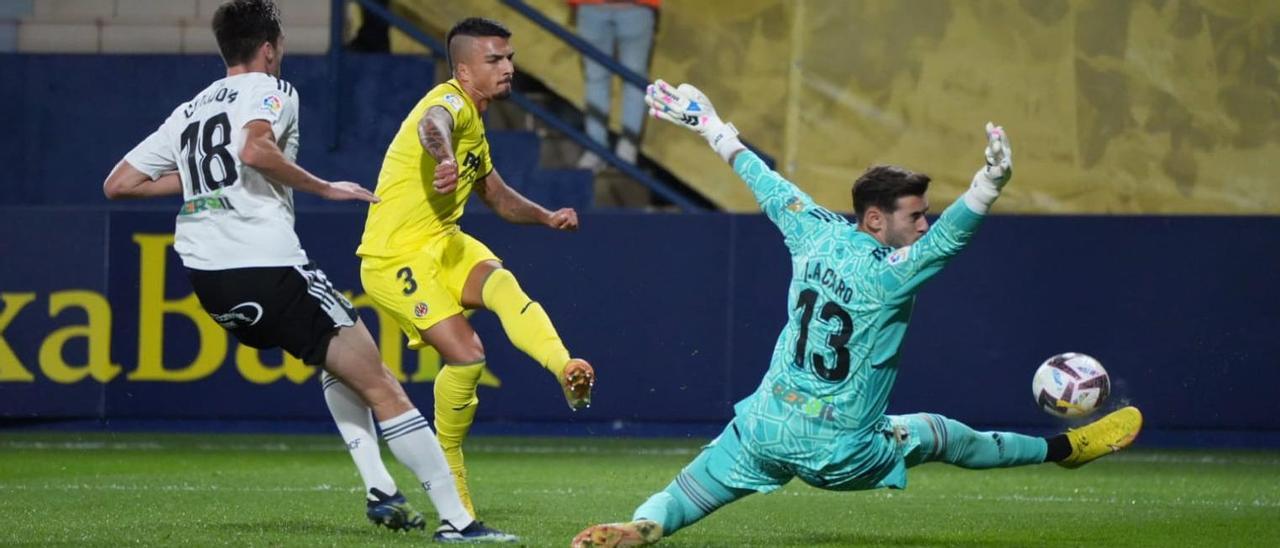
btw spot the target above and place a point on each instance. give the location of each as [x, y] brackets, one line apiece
[411, 213]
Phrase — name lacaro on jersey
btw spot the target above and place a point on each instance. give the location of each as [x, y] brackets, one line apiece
[817, 274]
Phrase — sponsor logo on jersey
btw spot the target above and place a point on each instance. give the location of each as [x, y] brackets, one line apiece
[818, 408]
[420, 310]
[795, 204]
[453, 101]
[272, 104]
[900, 255]
[205, 203]
[241, 315]
[470, 168]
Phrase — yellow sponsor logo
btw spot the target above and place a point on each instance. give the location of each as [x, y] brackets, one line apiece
[155, 308]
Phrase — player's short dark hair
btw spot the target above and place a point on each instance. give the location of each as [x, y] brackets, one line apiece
[473, 26]
[881, 186]
[242, 26]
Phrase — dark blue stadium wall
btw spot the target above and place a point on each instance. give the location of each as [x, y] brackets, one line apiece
[678, 312]
[69, 118]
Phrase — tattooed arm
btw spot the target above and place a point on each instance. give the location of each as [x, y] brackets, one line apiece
[435, 133]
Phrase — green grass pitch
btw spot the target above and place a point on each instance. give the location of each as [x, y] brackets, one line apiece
[218, 489]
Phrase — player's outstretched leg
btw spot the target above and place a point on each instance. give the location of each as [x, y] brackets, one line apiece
[530, 330]
[693, 495]
[384, 504]
[941, 439]
[353, 357]
[1102, 437]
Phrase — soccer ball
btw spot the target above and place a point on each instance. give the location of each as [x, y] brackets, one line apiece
[1070, 385]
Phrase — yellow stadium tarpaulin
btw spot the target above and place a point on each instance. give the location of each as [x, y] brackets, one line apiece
[1144, 106]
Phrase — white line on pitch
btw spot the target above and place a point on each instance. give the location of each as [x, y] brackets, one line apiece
[183, 487]
[480, 446]
[475, 447]
[804, 493]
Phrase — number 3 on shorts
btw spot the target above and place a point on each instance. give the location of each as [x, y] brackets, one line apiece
[406, 275]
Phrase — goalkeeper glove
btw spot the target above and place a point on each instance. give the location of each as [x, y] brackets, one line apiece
[688, 107]
[991, 178]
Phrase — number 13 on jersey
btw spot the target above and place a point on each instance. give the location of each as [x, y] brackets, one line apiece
[837, 341]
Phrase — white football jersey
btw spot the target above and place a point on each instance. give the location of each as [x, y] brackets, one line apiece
[233, 216]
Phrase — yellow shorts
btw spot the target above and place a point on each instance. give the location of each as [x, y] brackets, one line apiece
[422, 288]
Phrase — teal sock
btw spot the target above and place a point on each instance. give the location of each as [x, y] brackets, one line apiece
[951, 441]
[689, 498]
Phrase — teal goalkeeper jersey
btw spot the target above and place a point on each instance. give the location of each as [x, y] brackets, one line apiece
[849, 302]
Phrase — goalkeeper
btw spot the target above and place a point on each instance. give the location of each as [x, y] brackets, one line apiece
[819, 413]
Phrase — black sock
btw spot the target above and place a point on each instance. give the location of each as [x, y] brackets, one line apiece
[1059, 448]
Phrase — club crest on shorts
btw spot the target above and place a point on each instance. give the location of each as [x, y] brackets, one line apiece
[420, 310]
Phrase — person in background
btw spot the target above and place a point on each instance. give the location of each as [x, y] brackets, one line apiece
[374, 35]
[623, 29]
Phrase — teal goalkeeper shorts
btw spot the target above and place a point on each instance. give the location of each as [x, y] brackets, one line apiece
[879, 459]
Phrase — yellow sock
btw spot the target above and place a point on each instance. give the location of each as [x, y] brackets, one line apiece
[456, 402]
[525, 322]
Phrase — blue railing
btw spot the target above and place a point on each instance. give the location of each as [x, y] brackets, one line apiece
[338, 22]
[438, 51]
[628, 76]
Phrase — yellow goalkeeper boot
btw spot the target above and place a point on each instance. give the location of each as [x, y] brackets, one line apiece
[576, 380]
[610, 535]
[1102, 437]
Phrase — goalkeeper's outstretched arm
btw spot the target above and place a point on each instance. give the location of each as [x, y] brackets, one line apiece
[688, 107]
[903, 272]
